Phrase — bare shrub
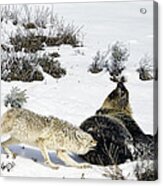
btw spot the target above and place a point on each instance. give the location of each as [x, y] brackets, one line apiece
[145, 68]
[143, 171]
[146, 171]
[114, 172]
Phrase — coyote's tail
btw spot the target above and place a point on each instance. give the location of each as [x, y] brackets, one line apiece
[2, 125]
[5, 124]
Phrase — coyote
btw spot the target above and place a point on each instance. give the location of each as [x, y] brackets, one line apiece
[46, 133]
[116, 102]
[117, 105]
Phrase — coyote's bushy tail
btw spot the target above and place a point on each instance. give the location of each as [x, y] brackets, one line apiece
[2, 125]
[6, 122]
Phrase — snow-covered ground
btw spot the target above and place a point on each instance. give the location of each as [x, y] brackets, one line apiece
[80, 93]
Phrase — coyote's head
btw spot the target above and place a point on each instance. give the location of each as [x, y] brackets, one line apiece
[83, 142]
[117, 101]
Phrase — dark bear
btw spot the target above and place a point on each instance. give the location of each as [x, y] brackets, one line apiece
[119, 136]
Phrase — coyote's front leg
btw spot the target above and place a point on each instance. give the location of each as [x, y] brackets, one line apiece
[8, 142]
[69, 161]
[45, 154]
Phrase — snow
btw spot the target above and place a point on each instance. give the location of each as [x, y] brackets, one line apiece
[25, 166]
[79, 94]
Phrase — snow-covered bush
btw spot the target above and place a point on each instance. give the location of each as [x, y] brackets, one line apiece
[27, 41]
[98, 63]
[51, 66]
[10, 12]
[29, 67]
[37, 25]
[20, 67]
[39, 18]
[146, 165]
[113, 60]
[16, 98]
[119, 54]
[145, 68]
[67, 34]
[32, 41]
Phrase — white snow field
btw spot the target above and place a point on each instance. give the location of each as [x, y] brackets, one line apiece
[78, 94]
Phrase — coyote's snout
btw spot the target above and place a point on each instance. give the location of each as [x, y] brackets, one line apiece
[45, 133]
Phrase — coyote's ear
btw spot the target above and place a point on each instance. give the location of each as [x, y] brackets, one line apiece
[121, 89]
[78, 136]
[123, 95]
[124, 99]
[121, 86]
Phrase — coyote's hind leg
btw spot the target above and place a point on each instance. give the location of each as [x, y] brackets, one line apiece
[8, 142]
[69, 161]
[45, 154]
